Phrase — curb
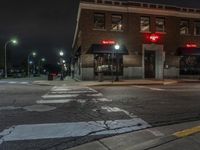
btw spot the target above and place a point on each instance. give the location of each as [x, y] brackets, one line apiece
[164, 140]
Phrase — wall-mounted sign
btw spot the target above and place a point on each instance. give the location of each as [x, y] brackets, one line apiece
[154, 38]
[191, 45]
[109, 42]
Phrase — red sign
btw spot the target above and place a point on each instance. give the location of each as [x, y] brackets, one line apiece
[191, 45]
[108, 42]
[154, 38]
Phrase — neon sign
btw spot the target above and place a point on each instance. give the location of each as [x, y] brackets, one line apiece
[154, 38]
[191, 45]
[108, 42]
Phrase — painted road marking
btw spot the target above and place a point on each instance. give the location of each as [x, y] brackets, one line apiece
[116, 109]
[12, 82]
[73, 129]
[187, 132]
[47, 96]
[95, 95]
[71, 92]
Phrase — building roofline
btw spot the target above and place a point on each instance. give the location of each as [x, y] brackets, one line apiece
[135, 7]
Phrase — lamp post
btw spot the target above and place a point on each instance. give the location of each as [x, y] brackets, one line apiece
[117, 47]
[28, 61]
[40, 66]
[61, 53]
[5, 56]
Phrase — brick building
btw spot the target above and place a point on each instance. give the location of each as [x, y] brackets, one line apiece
[136, 40]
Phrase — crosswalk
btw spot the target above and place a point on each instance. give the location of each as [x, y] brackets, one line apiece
[66, 94]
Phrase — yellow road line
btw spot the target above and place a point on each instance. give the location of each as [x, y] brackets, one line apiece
[187, 132]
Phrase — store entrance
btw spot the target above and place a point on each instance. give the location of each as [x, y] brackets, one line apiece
[149, 63]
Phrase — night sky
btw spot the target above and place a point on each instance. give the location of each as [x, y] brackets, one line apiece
[46, 25]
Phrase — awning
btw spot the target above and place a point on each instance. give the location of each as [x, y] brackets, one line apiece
[182, 51]
[107, 49]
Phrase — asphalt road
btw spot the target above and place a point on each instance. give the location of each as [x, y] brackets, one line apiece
[42, 117]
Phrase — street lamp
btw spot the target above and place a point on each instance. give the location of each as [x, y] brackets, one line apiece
[40, 66]
[61, 53]
[13, 41]
[116, 48]
[28, 61]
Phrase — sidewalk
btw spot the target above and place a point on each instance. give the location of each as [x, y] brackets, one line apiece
[71, 82]
[185, 136]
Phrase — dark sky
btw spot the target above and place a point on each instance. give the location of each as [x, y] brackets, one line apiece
[47, 25]
[44, 25]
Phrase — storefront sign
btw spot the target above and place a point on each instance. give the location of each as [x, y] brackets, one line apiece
[108, 42]
[154, 38]
[191, 45]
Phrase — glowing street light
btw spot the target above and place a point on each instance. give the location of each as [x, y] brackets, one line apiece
[30, 62]
[12, 41]
[61, 53]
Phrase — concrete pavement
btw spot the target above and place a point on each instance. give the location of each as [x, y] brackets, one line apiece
[185, 136]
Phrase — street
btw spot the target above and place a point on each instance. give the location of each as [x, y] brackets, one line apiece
[37, 117]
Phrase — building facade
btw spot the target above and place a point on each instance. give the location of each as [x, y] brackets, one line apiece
[135, 40]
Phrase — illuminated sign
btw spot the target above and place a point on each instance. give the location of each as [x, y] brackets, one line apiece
[154, 38]
[191, 45]
[109, 42]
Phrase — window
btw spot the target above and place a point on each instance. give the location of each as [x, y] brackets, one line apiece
[197, 28]
[160, 25]
[184, 27]
[144, 24]
[99, 21]
[117, 23]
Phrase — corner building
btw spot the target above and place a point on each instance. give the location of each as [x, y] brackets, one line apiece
[154, 41]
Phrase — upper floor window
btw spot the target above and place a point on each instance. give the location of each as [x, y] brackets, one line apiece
[197, 28]
[184, 27]
[99, 21]
[117, 23]
[144, 24]
[160, 25]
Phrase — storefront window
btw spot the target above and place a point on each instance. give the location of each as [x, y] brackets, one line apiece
[160, 25]
[190, 65]
[103, 63]
[117, 23]
[197, 28]
[184, 27]
[145, 24]
[99, 21]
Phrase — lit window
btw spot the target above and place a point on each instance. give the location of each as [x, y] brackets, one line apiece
[184, 27]
[117, 23]
[99, 21]
[160, 25]
[197, 28]
[145, 24]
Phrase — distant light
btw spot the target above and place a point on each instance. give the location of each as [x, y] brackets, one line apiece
[108, 42]
[43, 59]
[61, 53]
[30, 62]
[64, 61]
[14, 41]
[34, 53]
[117, 47]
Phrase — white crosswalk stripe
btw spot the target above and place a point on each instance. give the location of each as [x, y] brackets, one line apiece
[15, 82]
